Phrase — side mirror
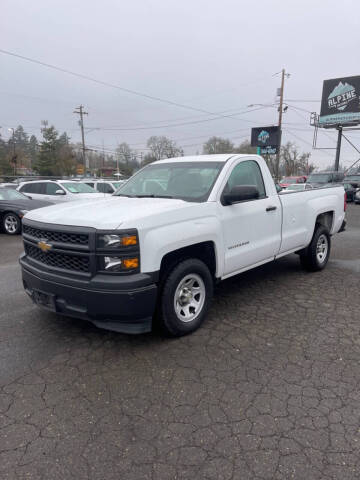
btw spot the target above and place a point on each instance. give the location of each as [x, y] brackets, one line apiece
[59, 192]
[278, 188]
[241, 193]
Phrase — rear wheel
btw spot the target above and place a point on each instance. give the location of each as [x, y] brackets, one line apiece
[185, 297]
[11, 223]
[316, 255]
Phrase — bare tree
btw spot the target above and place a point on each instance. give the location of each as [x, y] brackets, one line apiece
[163, 147]
[218, 145]
[245, 147]
[292, 162]
[123, 153]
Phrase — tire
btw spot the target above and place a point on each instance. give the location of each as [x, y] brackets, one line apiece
[316, 255]
[11, 223]
[185, 297]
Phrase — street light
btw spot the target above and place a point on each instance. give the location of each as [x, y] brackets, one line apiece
[260, 105]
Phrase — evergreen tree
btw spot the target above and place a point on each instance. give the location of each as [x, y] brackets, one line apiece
[46, 163]
[5, 167]
[33, 150]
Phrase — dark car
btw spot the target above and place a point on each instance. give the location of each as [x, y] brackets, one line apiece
[323, 179]
[13, 206]
[350, 191]
[353, 179]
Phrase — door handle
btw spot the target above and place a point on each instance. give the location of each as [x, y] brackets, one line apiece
[270, 209]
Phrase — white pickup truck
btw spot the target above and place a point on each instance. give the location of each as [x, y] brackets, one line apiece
[153, 251]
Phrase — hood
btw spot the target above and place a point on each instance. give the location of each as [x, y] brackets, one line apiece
[25, 204]
[108, 213]
[83, 196]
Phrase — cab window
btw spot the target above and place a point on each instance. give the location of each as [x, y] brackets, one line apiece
[246, 173]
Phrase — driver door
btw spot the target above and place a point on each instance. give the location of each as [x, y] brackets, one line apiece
[251, 228]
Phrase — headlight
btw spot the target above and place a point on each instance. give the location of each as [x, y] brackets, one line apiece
[112, 240]
[121, 264]
[357, 194]
[118, 251]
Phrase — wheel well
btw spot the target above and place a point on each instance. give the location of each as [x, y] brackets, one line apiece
[204, 251]
[326, 219]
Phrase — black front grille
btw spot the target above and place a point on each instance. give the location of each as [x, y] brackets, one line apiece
[59, 260]
[53, 236]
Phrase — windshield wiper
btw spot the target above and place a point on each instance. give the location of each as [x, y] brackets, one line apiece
[151, 195]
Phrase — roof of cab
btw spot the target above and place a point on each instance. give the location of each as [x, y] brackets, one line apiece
[224, 157]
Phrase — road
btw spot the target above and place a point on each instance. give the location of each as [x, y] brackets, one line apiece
[268, 388]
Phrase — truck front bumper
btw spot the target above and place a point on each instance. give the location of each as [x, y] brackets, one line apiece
[118, 303]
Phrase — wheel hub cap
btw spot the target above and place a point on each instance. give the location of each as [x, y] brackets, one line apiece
[321, 248]
[189, 297]
[10, 224]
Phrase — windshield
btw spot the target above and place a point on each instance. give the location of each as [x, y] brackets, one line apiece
[288, 180]
[320, 178]
[10, 194]
[190, 181]
[117, 185]
[355, 178]
[78, 187]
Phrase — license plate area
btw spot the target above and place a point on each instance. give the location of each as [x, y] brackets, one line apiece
[44, 300]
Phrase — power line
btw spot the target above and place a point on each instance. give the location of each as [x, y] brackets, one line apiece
[299, 108]
[305, 141]
[221, 113]
[108, 84]
[302, 101]
[351, 143]
[195, 122]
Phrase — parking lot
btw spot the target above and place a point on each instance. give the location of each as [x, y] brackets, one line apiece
[268, 388]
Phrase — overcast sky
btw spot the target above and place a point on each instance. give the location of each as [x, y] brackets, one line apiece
[210, 55]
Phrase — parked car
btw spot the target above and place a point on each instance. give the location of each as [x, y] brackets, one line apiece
[322, 179]
[14, 186]
[357, 196]
[350, 191]
[286, 181]
[104, 186]
[13, 206]
[58, 191]
[354, 180]
[158, 253]
[297, 187]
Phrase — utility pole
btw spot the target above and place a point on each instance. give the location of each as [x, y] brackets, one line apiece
[338, 147]
[79, 110]
[283, 74]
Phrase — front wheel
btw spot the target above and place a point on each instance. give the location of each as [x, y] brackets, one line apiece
[185, 297]
[11, 223]
[316, 255]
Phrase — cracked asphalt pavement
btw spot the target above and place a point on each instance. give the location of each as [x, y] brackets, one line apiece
[268, 388]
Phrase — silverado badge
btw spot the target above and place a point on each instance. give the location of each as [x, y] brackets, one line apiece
[44, 247]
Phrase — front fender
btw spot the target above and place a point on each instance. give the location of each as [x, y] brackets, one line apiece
[158, 241]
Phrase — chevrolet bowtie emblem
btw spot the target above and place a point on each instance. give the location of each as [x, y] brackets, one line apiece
[44, 247]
